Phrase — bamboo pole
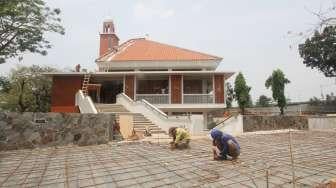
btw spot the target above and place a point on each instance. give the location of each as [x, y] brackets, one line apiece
[292, 158]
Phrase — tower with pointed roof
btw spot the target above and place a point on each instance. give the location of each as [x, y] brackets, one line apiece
[109, 41]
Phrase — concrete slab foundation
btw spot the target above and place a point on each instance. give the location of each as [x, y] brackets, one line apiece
[154, 165]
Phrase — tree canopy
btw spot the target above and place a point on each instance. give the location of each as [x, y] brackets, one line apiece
[277, 82]
[229, 95]
[242, 92]
[263, 101]
[4, 84]
[319, 51]
[23, 25]
[26, 90]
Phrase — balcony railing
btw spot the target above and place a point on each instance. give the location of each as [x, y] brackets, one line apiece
[154, 98]
[198, 98]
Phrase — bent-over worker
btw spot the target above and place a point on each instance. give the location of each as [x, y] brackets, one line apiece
[181, 138]
[224, 145]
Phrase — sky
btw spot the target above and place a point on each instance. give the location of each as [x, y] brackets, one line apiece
[250, 35]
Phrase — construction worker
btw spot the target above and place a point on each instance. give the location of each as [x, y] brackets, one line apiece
[181, 138]
[224, 145]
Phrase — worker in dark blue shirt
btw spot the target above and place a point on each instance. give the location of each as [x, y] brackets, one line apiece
[224, 145]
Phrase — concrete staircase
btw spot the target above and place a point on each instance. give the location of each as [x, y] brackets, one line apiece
[111, 108]
[139, 121]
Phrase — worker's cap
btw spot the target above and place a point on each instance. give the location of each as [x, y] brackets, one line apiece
[215, 133]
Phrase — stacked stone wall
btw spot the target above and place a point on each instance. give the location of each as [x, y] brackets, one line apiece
[264, 123]
[33, 130]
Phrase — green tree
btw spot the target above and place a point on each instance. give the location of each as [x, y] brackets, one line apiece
[315, 101]
[263, 101]
[229, 95]
[23, 26]
[4, 84]
[242, 91]
[250, 102]
[330, 99]
[29, 90]
[319, 51]
[277, 82]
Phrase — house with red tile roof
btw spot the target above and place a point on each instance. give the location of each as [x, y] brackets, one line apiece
[143, 76]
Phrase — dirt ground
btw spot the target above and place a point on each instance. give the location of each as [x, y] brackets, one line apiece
[154, 165]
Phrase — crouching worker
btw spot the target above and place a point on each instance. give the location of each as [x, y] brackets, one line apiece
[224, 145]
[181, 138]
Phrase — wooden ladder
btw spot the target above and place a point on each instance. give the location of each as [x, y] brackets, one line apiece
[85, 84]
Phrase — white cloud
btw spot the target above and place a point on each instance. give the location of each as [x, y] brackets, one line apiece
[149, 9]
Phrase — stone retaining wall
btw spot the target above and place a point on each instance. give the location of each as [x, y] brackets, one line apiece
[31, 130]
[263, 123]
[322, 122]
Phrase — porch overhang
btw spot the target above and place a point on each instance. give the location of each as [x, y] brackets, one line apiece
[197, 64]
[141, 73]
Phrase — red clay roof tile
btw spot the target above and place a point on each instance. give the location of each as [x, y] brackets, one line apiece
[142, 49]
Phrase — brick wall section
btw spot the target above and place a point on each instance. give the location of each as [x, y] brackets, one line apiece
[63, 93]
[104, 43]
[176, 89]
[129, 86]
[219, 88]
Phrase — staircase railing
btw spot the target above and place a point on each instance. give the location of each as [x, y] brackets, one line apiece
[154, 108]
[221, 124]
[85, 103]
[151, 112]
[232, 125]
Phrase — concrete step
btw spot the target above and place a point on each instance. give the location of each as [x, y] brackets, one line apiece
[149, 123]
[140, 122]
[115, 108]
[110, 112]
[150, 127]
[137, 119]
[152, 132]
[109, 106]
[112, 109]
[130, 113]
